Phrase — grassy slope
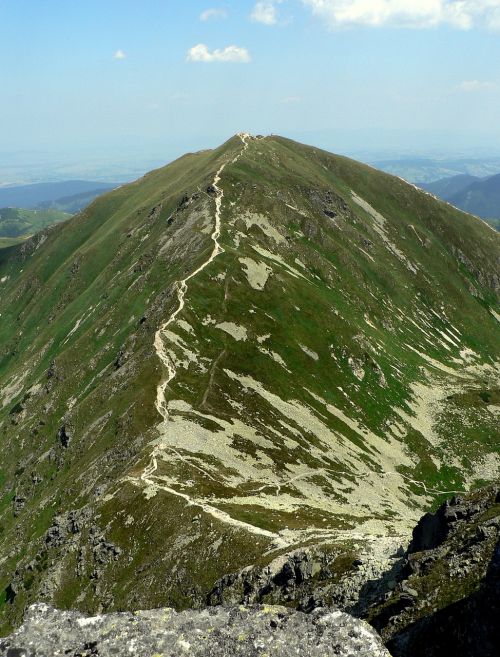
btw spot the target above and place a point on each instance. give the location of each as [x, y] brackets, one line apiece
[300, 441]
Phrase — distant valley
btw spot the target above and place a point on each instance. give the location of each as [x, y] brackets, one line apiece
[67, 194]
[423, 170]
[28, 209]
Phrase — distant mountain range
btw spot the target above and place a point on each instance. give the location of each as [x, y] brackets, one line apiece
[420, 170]
[68, 196]
[31, 208]
[479, 196]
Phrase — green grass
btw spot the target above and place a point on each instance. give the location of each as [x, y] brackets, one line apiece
[103, 282]
[18, 223]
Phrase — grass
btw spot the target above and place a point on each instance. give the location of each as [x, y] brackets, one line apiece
[17, 224]
[103, 283]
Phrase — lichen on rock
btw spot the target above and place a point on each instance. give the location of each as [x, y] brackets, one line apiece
[214, 632]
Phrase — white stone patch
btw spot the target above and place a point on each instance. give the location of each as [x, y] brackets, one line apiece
[235, 331]
[495, 315]
[312, 354]
[260, 220]
[85, 622]
[367, 320]
[397, 429]
[301, 212]
[185, 326]
[257, 273]
[435, 363]
[186, 434]
[469, 354]
[372, 486]
[379, 225]
[190, 357]
[276, 258]
[262, 338]
[237, 237]
[15, 386]
[276, 357]
[357, 368]
[3, 279]
[424, 409]
[487, 468]
[80, 321]
[366, 253]
[448, 338]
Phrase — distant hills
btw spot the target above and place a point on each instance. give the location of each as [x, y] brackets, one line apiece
[74, 194]
[479, 196]
[420, 170]
[16, 222]
[31, 208]
[446, 188]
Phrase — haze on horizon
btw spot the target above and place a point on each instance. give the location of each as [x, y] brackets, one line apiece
[123, 84]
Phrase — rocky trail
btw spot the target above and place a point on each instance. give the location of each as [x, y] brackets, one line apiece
[148, 475]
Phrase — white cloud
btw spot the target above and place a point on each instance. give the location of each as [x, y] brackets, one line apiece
[471, 86]
[119, 54]
[213, 13]
[201, 53]
[291, 99]
[265, 12]
[461, 14]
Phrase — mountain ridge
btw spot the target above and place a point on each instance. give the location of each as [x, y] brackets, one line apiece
[335, 374]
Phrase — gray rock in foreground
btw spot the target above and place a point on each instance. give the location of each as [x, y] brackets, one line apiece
[214, 632]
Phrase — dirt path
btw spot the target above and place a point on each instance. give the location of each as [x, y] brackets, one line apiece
[149, 476]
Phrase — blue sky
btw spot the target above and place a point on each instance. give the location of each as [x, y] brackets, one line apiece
[117, 78]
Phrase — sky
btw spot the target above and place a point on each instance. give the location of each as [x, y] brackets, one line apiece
[147, 80]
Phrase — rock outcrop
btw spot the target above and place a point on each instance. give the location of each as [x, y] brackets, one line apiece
[350, 580]
[447, 598]
[214, 632]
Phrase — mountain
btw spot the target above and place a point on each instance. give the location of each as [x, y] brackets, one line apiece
[19, 223]
[481, 198]
[423, 171]
[440, 597]
[51, 194]
[445, 188]
[445, 597]
[475, 195]
[256, 350]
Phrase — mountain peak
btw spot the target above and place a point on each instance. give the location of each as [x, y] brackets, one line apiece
[246, 352]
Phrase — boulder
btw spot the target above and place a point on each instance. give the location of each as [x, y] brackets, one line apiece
[213, 632]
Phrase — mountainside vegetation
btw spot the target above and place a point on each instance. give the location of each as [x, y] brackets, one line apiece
[250, 351]
[18, 223]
